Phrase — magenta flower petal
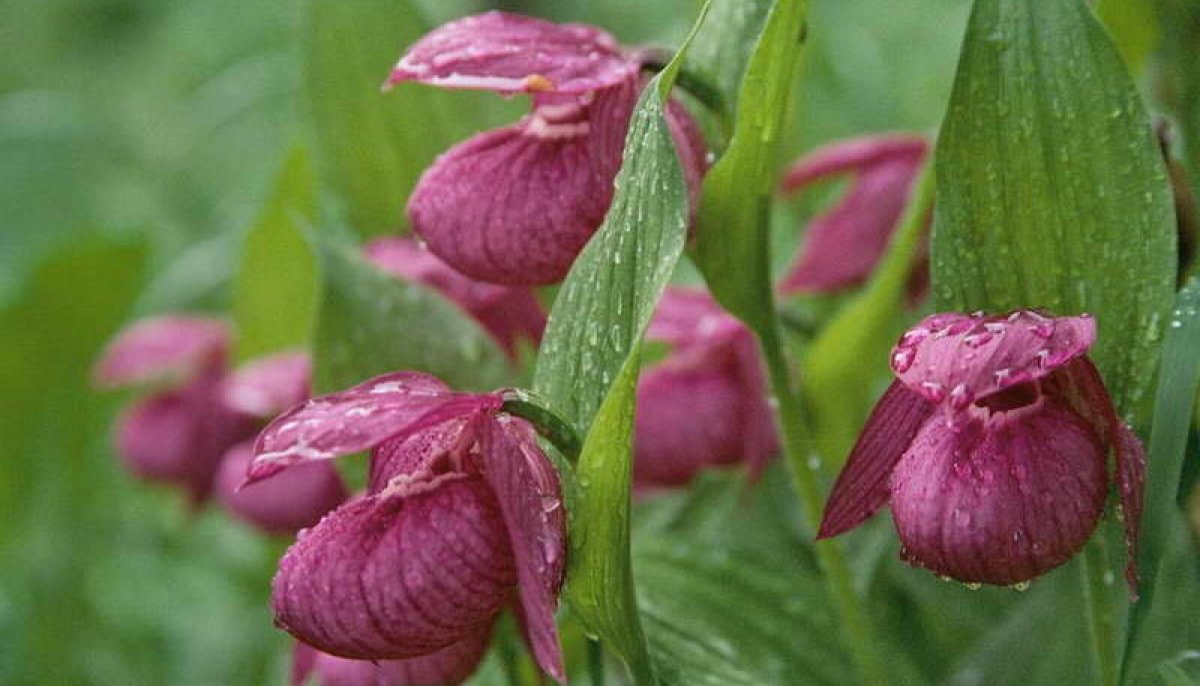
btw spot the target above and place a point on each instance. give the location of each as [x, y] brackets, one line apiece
[269, 385]
[865, 482]
[171, 348]
[510, 53]
[155, 437]
[423, 454]
[705, 403]
[1002, 499]
[530, 499]
[400, 574]
[517, 204]
[507, 313]
[686, 420]
[842, 246]
[293, 500]
[960, 358]
[359, 418]
[449, 666]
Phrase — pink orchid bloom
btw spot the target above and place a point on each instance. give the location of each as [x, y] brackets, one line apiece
[449, 666]
[178, 433]
[462, 516]
[508, 313]
[292, 501]
[705, 404]
[992, 449]
[842, 246]
[516, 205]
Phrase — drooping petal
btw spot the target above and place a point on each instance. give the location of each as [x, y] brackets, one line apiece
[507, 313]
[511, 53]
[400, 574]
[269, 385]
[687, 419]
[449, 666]
[960, 358]
[530, 499]
[865, 482]
[359, 418]
[516, 205]
[842, 246]
[163, 349]
[999, 497]
[1080, 384]
[293, 500]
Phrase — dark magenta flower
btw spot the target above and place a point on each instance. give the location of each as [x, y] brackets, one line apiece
[705, 404]
[447, 667]
[178, 433]
[462, 516]
[842, 246]
[992, 449]
[508, 313]
[298, 498]
[516, 205]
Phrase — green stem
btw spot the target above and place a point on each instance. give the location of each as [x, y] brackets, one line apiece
[595, 654]
[793, 424]
[1097, 582]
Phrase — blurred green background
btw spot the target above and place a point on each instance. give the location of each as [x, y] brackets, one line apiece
[138, 139]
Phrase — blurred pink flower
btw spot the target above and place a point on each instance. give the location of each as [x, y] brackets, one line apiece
[178, 433]
[449, 666]
[508, 313]
[705, 404]
[515, 205]
[842, 246]
[462, 516]
[992, 449]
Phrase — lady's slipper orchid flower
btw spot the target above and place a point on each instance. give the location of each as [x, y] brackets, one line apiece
[992, 449]
[508, 313]
[842, 246]
[178, 433]
[447, 667]
[292, 501]
[463, 515]
[705, 404]
[516, 205]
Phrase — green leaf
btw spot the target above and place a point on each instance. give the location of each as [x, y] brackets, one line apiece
[1132, 24]
[1180, 73]
[1051, 190]
[373, 146]
[1181, 671]
[590, 358]
[1169, 570]
[716, 620]
[723, 46]
[732, 248]
[851, 352]
[370, 323]
[275, 291]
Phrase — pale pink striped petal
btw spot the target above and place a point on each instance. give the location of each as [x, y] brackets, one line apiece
[359, 418]
[511, 53]
[957, 358]
[449, 666]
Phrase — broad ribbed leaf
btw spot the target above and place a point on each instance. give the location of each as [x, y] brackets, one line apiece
[1170, 576]
[1051, 191]
[589, 361]
[275, 293]
[732, 234]
[371, 323]
[372, 146]
[718, 620]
